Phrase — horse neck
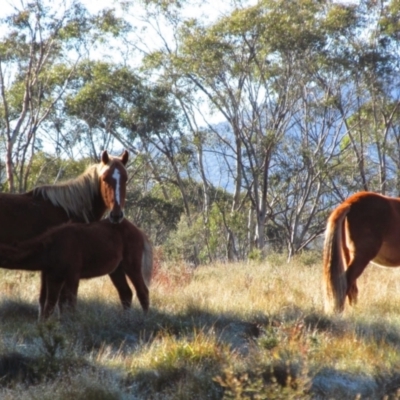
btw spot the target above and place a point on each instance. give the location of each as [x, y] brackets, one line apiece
[97, 212]
[59, 197]
[99, 208]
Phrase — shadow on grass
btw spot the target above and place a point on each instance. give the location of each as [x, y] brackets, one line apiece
[16, 367]
[97, 325]
[18, 310]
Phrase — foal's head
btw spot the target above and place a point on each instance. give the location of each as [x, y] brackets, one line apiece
[113, 179]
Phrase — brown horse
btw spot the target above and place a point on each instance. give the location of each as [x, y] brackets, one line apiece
[72, 251]
[364, 228]
[86, 198]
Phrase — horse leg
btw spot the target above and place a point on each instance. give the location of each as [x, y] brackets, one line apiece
[362, 248]
[352, 294]
[69, 294]
[134, 271]
[54, 286]
[353, 271]
[352, 289]
[118, 278]
[43, 294]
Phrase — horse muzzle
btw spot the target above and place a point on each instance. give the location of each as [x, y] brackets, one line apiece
[116, 218]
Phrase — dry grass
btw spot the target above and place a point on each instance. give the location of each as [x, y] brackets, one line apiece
[240, 331]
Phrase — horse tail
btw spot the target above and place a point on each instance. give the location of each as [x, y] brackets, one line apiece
[334, 270]
[147, 260]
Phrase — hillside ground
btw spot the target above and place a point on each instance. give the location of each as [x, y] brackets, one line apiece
[223, 331]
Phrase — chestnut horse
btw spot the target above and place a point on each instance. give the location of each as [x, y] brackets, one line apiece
[72, 251]
[84, 199]
[364, 228]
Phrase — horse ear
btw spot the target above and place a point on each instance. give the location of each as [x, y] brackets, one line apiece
[104, 157]
[124, 157]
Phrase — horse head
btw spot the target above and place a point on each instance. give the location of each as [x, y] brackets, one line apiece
[113, 181]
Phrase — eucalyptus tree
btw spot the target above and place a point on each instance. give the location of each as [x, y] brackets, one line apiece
[40, 46]
[345, 131]
[111, 102]
[364, 59]
[378, 66]
[304, 95]
[252, 66]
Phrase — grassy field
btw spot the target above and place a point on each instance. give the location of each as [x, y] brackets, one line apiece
[226, 331]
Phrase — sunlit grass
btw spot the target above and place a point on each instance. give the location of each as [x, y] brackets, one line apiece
[221, 331]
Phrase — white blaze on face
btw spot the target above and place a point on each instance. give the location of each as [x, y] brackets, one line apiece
[116, 175]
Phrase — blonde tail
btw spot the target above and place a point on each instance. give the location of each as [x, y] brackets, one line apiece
[335, 282]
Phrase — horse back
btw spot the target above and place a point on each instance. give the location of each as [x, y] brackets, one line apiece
[373, 213]
[133, 238]
[23, 216]
[94, 249]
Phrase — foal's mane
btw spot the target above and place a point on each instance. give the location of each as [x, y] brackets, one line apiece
[76, 195]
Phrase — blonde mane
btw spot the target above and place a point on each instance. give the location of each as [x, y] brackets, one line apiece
[76, 195]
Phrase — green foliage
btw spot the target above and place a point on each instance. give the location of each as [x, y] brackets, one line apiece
[268, 340]
[278, 259]
[20, 19]
[47, 169]
[309, 258]
[184, 243]
[113, 96]
[167, 352]
[175, 363]
[253, 385]
[201, 241]
[108, 22]
[156, 216]
[217, 232]
[53, 339]
[14, 97]
[255, 255]
[56, 75]
[72, 30]
[339, 18]
[166, 6]
[390, 21]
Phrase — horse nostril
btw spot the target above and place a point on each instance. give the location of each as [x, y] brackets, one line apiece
[115, 219]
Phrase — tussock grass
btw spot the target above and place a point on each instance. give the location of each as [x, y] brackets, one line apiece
[241, 331]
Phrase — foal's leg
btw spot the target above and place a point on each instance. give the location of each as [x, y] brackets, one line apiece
[54, 285]
[69, 294]
[118, 278]
[134, 270]
[43, 293]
